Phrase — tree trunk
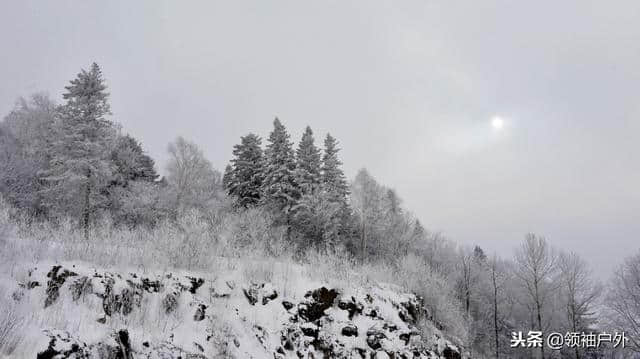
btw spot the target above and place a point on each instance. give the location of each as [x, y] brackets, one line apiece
[539, 315]
[495, 309]
[86, 209]
[538, 312]
[363, 244]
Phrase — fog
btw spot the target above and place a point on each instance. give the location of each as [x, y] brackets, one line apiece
[409, 89]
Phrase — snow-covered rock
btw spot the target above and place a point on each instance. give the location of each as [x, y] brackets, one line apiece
[124, 314]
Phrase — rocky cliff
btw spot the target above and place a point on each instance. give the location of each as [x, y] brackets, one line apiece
[91, 313]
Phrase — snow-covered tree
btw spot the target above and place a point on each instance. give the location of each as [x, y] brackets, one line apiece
[79, 166]
[333, 179]
[317, 219]
[367, 200]
[279, 188]
[26, 135]
[623, 300]
[134, 176]
[131, 163]
[581, 295]
[227, 177]
[245, 176]
[193, 183]
[308, 163]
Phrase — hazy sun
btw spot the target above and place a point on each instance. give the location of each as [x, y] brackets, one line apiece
[497, 123]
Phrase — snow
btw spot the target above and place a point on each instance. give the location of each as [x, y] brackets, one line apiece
[231, 324]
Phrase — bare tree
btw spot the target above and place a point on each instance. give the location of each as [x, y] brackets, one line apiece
[623, 300]
[580, 292]
[497, 280]
[536, 264]
[192, 179]
[366, 200]
[469, 268]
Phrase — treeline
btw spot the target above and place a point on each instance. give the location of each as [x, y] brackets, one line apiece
[307, 192]
[70, 162]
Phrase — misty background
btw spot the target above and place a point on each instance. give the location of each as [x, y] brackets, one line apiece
[409, 89]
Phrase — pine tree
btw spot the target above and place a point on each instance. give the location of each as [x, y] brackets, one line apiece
[79, 164]
[335, 184]
[308, 163]
[227, 178]
[333, 179]
[131, 163]
[245, 176]
[279, 188]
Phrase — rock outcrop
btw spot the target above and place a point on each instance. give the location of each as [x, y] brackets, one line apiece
[131, 315]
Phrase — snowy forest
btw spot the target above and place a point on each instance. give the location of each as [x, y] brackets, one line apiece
[75, 186]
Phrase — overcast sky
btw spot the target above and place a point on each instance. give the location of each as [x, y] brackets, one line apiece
[408, 88]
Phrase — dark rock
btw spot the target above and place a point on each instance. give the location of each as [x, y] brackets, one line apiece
[287, 305]
[374, 336]
[200, 312]
[124, 302]
[195, 284]
[411, 311]
[310, 331]
[170, 302]
[351, 306]
[61, 345]
[260, 292]
[50, 352]
[57, 279]
[320, 300]
[32, 284]
[81, 288]
[145, 344]
[261, 334]
[451, 353]
[374, 342]
[152, 286]
[122, 338]
[128, 301]
[350, 330]
[251, 294]
[372, 313]
[269, 297]
[288, 345]
[101, 320]
[390, 327]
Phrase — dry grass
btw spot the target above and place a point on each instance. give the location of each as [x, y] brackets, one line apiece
[243, 243]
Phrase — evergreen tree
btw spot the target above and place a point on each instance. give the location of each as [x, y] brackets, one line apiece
[79, 165]
[245, 177]
[333, 179]
[308, 163]
[279, 188]
[131, 163]
[335, 185]
[227, 178]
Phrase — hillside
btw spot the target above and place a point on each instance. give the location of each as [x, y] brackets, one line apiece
[78, 310]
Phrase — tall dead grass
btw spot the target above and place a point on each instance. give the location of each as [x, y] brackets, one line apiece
[244, 241]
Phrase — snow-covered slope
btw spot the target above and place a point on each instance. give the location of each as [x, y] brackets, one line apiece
[83, 312]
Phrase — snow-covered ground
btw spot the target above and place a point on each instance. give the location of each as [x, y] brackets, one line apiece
[75, 309]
